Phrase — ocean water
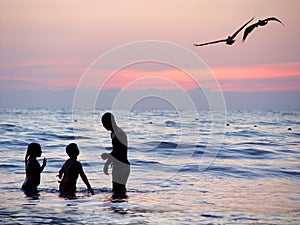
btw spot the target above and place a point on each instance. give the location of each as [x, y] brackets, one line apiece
[251, 177]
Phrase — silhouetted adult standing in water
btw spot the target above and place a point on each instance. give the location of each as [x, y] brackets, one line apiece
[118, 156]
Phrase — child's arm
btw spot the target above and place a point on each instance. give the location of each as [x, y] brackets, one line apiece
[61, 171]
[86, 181]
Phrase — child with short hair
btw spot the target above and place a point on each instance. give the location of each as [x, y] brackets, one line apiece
[33, 168]
[70, 171]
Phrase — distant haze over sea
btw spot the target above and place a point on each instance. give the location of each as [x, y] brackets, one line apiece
[267, 100]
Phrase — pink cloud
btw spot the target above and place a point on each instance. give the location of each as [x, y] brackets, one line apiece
[41, 74]
[62, 74]
[166, 79]
[268, 71]
[270, 77]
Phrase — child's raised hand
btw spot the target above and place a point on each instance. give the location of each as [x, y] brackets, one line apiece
[44, 162]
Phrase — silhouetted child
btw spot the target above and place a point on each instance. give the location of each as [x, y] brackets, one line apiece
[70, 171]
[33, 168]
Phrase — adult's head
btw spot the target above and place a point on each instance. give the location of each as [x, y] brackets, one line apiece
[108, 121]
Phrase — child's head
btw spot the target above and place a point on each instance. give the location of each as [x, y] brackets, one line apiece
[72, 150]
[34, 150]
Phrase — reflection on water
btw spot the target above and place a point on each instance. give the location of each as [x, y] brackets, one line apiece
[203, 199]
[254, 178]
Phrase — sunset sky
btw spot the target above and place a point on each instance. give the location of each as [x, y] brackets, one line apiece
[50, 44]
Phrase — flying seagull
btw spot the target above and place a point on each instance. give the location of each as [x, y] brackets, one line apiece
[229, 40]
[259, 23]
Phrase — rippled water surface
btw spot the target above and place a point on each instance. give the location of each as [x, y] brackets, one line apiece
[252, 177]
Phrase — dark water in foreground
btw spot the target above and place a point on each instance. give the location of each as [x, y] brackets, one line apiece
[254, 178]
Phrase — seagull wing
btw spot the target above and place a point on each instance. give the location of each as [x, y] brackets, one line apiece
[248, 30]
[274, 19]
[212, 42]
[241, 28]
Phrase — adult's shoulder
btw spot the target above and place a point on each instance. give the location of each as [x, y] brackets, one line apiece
[120, 131]
[121, 135]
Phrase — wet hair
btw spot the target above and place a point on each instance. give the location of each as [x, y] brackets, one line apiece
[34, 150]
[72, 150]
